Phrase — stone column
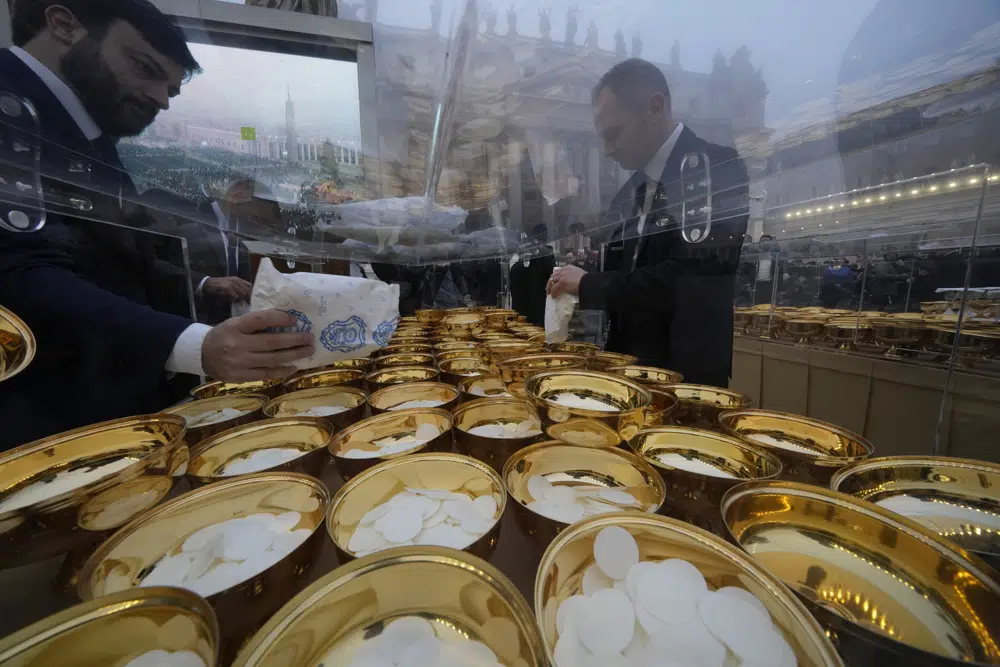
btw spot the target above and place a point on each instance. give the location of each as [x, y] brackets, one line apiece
[514, 153]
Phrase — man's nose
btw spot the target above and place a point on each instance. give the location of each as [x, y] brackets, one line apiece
[160, 96]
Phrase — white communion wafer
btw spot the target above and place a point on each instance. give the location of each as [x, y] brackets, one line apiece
[538, 486]
[746, 596]
[616, 552]
[595, 580]
[413, 642]
[606, 622]
[741, 627]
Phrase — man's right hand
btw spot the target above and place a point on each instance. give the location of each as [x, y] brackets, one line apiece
[238, 350]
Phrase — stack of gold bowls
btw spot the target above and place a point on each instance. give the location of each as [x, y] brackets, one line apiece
[493, 412]
[397, 375]
[562, 568]
[958, 499]
[846, 332]
[337, 377]
[401, 396]
[17, 345]
[250, 407]
[404, 359]
[889, 591]
[404, 348]
[269, 388]
[343, 615]
[517, 369]
[898, 335]
[131, 555]
[700, 405]
[389, 426]
[613, 408]
[810, 450]
[292, 444]
[137, 626]
[698, 467]
[65, 492]
[436, 472]
[295, 403]
[601, 361]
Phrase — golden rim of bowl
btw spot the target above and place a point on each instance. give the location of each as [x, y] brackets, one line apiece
[101, 609]
[202, 405]
[315, 392]
[219, 388]
[486, 401]
[726, 419]
[12, 326]
[360, 362]
[465, 385]
[411, 387]
[428, 373]
[739, 400]
[393, 464]
[777, 589]
[642, 391]
[338, 375]
[646, 374]
[254, 652]
[343, 434]
[637, 446]
[913, 461]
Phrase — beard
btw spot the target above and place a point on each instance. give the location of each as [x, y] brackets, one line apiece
[115, 112]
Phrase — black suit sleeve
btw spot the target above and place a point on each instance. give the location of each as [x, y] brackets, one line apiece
[718, 255]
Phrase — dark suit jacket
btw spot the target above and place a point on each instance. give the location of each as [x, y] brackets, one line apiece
[87, 290]
[675, 310]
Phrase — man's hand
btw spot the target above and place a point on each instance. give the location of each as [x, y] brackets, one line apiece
[565, 279]
[238, 351]
[231, 289]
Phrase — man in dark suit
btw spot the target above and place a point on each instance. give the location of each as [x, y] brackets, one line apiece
[669, 278]
[95, 71]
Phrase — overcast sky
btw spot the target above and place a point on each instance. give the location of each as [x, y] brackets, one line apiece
[800, 45]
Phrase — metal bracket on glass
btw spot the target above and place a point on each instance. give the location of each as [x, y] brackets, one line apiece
[22, 207]
[696, 197]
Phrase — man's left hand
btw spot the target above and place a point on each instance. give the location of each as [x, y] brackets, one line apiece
[231, 289]
[565, 280]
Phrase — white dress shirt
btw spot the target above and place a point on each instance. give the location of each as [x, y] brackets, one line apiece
[654, 172]
[186, 354]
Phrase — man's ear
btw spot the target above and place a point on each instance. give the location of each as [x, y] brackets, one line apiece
[657, 104]
[63, 25]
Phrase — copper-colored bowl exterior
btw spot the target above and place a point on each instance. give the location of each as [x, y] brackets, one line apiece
[450, 472]
[601, 361]
[573, 347]
[116, 629]
[631, 399]
[492, 385]
[429, 316]
[821, 449]
[295, 402]
[312, 434]
[408, 359]
[130, 552]
[560, 575]
[330, 620]
[252, 404]
[517, 369]
[890, 591]
[349, 377]
[692, 496]
[362, 364]
[603, 467]
[397, 375]
[17, 345]
[661, 412]
[384, 400]
[454, 371]
[491, 451]
[270, 388]
[959, 499]
[384, 425]
[647, 375]
[82, 517]
[701, 405]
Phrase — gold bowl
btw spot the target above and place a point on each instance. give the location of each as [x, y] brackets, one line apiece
[700, 405]
[17, 345]
[492, 412]
[495, 335]
[448, 472]
[306, 437]
[116, 629]
[387, 377]
[517, 369]
[483, 386]
[846, 332]
[560, 575]
[270, 388]
[454, 371]
[403, 348]
[900, 336]
[128, 556]
[451, 346]
[661, 410]
[405, 359]
[389, 425]
[461, 320]
[348, 377]
[698, 467]
[601, 361]
[251, 405]
[517, 390]
[803, 329]
[387, 400]
[500, 319]
[810, 450]
[461, 595]
[574, 347]
[916, 318]
[460, 354]
[647, 375]
[570, 465]
[498, 350]
[363, 364]
[429, 316]
[294, 403]
[888, 589]
[627, 403]
[118, 469]
[764, 323]
[959, 499]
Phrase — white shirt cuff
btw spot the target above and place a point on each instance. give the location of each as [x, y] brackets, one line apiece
[200, 287]
[186, 355]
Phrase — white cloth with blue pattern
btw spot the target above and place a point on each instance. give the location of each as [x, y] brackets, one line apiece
[350, 317]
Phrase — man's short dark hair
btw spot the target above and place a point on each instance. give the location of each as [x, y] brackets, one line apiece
[28, 19]
[633, 81]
